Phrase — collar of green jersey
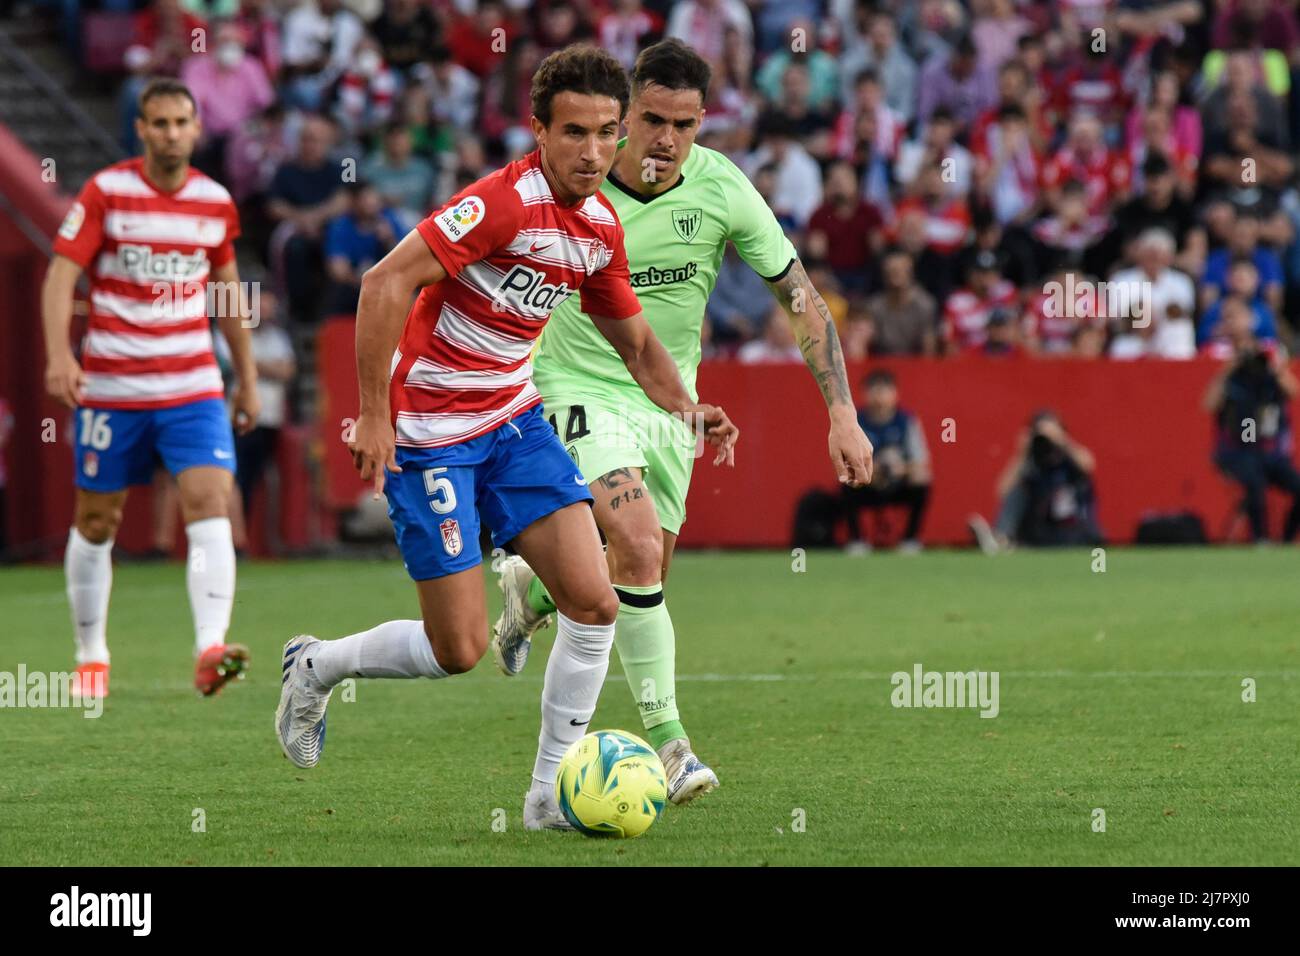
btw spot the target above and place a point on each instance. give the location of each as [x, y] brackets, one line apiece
[639, 197]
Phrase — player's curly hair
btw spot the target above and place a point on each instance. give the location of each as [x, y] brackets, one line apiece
[580, 68]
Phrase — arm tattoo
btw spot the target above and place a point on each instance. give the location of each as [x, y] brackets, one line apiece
[814, 329]
[616, 478]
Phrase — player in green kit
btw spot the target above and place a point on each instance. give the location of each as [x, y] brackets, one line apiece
[680, 205]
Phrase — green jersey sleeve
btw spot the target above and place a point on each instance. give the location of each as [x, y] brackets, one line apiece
[756, 234]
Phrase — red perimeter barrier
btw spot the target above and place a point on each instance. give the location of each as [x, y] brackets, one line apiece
[1143, 421]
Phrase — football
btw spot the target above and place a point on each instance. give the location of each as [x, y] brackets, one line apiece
[611, 783]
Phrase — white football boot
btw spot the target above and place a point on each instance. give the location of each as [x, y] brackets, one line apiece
[542, 811]
[300, 718]
[688, 776]
[512, 634]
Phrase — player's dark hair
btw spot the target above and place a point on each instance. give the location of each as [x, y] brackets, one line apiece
[879, 376]
[164, 86]
[580, 68]
[673, 65]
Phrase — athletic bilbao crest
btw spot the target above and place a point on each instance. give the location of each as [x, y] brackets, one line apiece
[451, 542]
[687, 222]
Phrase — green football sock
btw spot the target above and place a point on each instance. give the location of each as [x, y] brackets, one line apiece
[538, 599]
[647, 647]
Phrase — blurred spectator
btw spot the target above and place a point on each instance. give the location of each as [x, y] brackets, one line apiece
[478, 40]
[626, 29]
[1243, 243]
[407, 30]
[404, 181]
[507, 100]
[1007, 167]
[868, 122]
[1230, 321]
[229, 87]
[822, 74]
[354, 242]
[365, 93]
[1092, 85]
[1046, 492]
[903, 315]
[797, 181]
[844, 229]
[1243, 285]
[1001, 336]
[959, 82]
[305, 194]
[1249, 398]
[170, 34]
[1065, 317]
[1105, 174]
[881, 53]
[967, 311]
[260, 23]
[945, 218]
[703, 24]
[320, 38]
[901, 475]
[937, 145]
[452, 90]
[777, 342]
[1158, 206]
[255, 151]
[1071, 237]
[996, 31]
[1257, 24]
[739, 303]
[1163, 300]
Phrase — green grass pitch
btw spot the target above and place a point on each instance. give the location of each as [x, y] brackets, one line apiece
[1119, 690]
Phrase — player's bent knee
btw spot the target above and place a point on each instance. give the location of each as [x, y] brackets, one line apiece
[99, 525]
[456, 653]
[599, 607]
[638, 558]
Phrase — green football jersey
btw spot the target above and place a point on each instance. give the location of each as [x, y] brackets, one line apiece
[675, 243]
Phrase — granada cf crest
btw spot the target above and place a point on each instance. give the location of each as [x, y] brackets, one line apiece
[687, 222]
[451, 542]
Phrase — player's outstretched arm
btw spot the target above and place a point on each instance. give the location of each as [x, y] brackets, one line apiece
[63, 376]
[386, 291]
[814, 330]
[654, 370]
[233, 327]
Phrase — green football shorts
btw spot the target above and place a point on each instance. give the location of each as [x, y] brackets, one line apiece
[611, 432]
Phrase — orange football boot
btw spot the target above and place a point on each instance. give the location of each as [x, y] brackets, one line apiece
[218, 666]
[91, 680]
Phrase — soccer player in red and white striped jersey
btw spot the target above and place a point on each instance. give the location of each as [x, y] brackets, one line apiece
[451, 424]
[156, 239]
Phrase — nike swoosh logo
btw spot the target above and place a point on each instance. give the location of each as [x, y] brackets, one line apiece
[537, 248]
[579, 480]
[579, 723]
[221, 454]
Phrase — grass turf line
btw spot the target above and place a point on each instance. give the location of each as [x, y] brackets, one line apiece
[1119, 691]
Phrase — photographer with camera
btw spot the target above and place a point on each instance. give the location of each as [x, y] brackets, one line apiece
[1046, 492]
[1248, 397]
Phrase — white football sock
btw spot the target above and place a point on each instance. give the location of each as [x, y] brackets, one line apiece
[394, 649]
[575, 674]
[88, 571]
[210, 579]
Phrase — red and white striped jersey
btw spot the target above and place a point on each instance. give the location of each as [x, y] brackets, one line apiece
[512, 255]
[148, 254]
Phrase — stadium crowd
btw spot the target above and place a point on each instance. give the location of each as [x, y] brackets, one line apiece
[959, 176]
